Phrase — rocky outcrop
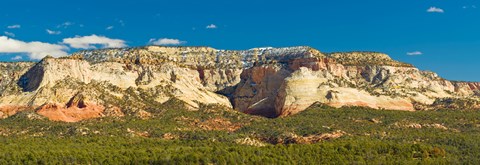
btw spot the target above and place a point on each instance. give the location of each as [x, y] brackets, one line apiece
[57, 112]
[257, 90]
[305, 81]
[270, 82]
[343, 79]
[250, 142]
[366, 58]
[292, 138]
[467, 88]
[9, 74]
[77, 108]
[10, 110]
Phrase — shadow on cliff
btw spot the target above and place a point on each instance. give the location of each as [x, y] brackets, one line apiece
[257, 92]
[31, 80]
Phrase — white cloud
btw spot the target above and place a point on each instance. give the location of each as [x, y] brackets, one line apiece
[435, 10]
[166, 41]
[415, 53]
[14, 26]
[16, 58]
[109, 28]
[211, 26]
[51, 32]
[89, 42]
[35, 50]
[65, 25]
[9, 34]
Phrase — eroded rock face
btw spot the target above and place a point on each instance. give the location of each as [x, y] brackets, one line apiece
[9, 110]
[9, 75]
[77, 108]
[345, 79]
[467, 88]
[256, 93]
[270, 82]
[57, 112]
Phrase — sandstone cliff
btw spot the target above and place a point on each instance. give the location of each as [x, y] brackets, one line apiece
[467, 88]
[270, 82]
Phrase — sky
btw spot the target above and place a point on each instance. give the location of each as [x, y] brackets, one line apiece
[442, 36]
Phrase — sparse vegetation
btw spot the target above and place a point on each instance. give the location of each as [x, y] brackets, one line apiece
[360, 58]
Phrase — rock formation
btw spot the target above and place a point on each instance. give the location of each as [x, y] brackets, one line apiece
[270, 82]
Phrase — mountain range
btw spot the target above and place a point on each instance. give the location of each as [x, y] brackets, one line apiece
[270, 82]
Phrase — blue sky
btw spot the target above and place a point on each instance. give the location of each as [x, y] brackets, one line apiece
[444, 34]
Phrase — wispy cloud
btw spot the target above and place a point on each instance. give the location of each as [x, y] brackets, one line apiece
[16, 58]
[9, 34]
[211, 26]
[469, 7]
[35, 49]
[52, 32]
[14, 26]
[65, 25]
[91, 42]
[415, 53]
[166, 41]
[435, 10]
[109, 28]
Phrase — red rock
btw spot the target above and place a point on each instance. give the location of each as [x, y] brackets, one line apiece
[9, 110]
[58, 112]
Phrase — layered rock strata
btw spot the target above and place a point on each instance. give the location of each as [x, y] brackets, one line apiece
[270, 82]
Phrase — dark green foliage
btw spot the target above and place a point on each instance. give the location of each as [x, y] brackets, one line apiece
[121, 150]
[374, 137]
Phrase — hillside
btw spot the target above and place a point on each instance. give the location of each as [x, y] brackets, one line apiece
[213, 135]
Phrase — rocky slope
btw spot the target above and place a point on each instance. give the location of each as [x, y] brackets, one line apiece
[270, 82]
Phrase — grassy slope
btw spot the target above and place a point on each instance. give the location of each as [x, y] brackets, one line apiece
[107, 140]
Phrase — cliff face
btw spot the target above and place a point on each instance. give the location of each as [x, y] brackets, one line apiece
[307, 81]
[467, 88]
[270, 82]
[9, 75]
[345, 79]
